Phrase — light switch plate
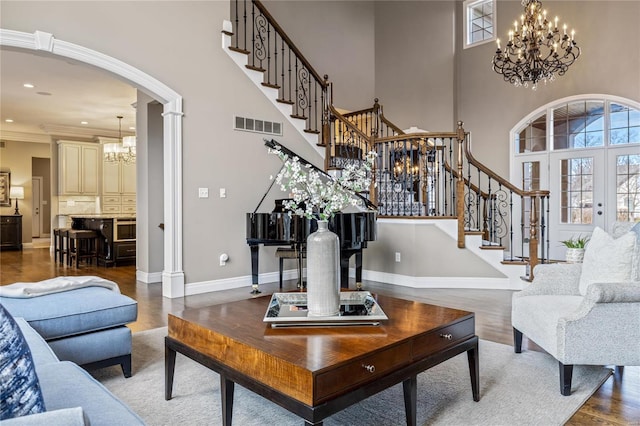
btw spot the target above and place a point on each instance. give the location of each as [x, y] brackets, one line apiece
[203, 192]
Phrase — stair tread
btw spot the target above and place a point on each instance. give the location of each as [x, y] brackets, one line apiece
[254, 68]
[492, 247]
[302, 117]
[237, 49]
[315, 132]
[273, 86]
[284, 101]
[514, 262]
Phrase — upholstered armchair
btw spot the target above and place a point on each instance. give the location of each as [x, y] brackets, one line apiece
[589, 313]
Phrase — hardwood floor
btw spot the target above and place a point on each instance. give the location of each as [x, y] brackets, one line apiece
[617, 402]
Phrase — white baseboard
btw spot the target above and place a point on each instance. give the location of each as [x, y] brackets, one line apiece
[484, 283]
[393, 279]
[149, 277]
[236, 282]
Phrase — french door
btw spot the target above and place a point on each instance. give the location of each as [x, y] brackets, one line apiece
[589, 188]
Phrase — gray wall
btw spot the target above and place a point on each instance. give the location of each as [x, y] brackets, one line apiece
[415, 63]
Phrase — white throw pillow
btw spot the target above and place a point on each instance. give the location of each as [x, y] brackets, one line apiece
[607, 259]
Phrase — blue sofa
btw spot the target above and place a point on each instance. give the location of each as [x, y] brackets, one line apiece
[86, 326]
[71, 395]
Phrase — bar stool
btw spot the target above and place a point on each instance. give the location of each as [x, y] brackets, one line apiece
[60, 243]
[83, 244]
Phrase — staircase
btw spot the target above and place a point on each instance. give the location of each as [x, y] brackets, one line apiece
[427, 176]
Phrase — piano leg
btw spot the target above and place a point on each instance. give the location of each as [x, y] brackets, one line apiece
[301, 284]
[254, 268]
[344, 270]
[359, 270]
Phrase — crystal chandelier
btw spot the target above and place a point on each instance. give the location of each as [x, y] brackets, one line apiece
[536, 50]
[124, 150]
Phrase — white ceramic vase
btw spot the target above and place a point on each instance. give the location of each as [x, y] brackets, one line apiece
[575, 255]
[323, 272]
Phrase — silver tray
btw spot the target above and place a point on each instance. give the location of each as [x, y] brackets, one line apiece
[356, 308]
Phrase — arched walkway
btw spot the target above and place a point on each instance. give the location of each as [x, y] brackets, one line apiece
[172, 274]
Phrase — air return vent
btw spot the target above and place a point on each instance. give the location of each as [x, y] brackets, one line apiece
[258, 126]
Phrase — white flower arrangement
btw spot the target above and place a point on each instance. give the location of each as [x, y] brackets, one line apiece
[313, 197]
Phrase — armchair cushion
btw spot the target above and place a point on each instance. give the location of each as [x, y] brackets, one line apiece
[607, 259]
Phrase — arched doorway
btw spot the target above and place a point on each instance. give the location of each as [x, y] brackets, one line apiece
[172, 274]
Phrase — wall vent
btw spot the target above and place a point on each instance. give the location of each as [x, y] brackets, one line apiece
[257, 126]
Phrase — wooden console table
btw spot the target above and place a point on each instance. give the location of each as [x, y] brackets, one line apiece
[316, 372]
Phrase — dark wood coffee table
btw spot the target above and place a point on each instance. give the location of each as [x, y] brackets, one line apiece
[317, 372]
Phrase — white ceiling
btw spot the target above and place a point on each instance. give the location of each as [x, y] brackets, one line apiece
[78, 92]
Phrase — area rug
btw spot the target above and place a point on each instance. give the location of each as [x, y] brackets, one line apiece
[520, 389]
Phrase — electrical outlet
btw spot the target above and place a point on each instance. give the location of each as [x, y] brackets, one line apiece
[223, 192]
[203, 192]
[397, 256]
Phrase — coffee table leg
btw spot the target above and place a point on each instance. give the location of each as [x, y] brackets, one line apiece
[474, 370]
[169, 368]
[410, 387]
[226, 387]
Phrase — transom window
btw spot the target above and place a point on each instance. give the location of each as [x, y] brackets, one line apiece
[580, 124]
[480, 18]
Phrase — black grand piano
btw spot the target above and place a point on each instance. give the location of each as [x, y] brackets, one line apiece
[278, 228]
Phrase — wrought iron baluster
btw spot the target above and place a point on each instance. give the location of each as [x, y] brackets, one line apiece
[244, 18]
[253, 34]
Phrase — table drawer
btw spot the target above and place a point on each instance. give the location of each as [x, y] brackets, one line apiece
[440, 339]
[361, 370]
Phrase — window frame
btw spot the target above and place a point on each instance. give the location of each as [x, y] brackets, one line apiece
[467, 5]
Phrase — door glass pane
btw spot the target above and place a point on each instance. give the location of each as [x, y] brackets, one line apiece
[628, 187]
[531, 176]
[576, 193]
[533, 137]
[578, 125]
[625, 125]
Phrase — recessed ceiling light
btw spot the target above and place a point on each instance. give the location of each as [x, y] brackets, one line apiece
[44, 93]
[8, 120]
[28, 85]
[84, 122]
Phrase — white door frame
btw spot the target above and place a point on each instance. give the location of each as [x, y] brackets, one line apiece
[43, 42]
[36, 206]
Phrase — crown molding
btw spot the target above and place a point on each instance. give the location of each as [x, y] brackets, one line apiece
[7, 135]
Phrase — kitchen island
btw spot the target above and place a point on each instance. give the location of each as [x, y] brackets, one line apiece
[116, 236]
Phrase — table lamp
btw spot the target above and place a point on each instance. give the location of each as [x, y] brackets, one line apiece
[17, 192]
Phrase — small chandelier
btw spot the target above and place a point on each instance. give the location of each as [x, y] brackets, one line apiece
[536, 51]
[124, 150]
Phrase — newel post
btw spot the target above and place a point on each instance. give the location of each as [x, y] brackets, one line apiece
[533, 235]
[460, 186]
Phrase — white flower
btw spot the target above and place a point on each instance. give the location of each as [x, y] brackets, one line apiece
[315, 197]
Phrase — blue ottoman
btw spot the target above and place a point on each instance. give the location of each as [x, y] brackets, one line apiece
[86, 325]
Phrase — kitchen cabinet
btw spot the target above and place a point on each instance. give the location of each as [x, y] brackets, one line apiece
[11, 232]
[78, 168]
[118, 187]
